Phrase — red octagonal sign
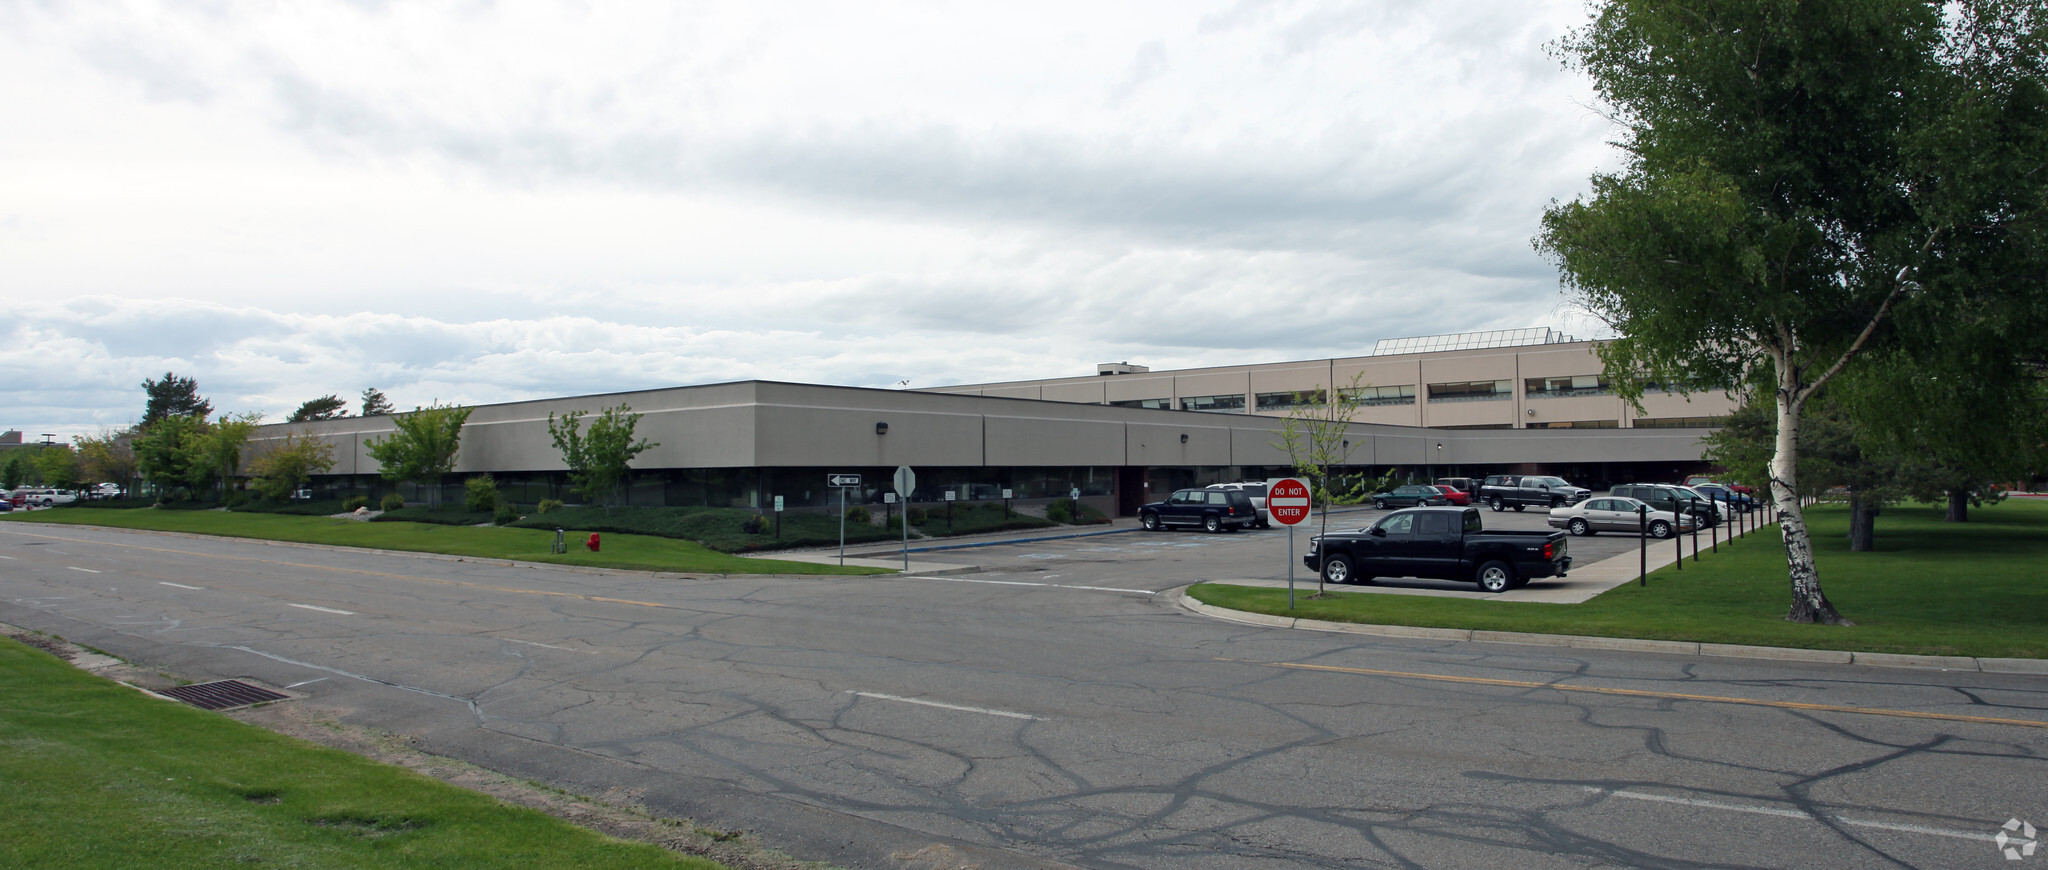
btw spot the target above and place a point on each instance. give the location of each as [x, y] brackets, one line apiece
[1287, 501]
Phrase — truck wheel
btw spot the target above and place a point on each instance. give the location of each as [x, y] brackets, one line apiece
[1580, 528]
[1660, 529]
[1379, 504]
[1212, 523]
[1494, 503]
[1497, 576]
[1337, 569]
[1150, 522]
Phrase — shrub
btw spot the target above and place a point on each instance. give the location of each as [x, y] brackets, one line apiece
[916, 515]
[354, 503]
[506, 515]
[391, 502]
[234, 498]
[480, 494]
[548, 504]
[755, 525]
[1060, 511]
[859, 514]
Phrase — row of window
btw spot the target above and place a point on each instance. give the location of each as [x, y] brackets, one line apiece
[1537, 387]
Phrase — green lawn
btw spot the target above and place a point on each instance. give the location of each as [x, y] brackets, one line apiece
[100, 775]
[637, 552]
[1933, 587]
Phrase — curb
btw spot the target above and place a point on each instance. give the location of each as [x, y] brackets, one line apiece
[1627, 644]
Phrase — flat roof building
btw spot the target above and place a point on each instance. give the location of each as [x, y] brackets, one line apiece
[1505, 379]
[742, 444]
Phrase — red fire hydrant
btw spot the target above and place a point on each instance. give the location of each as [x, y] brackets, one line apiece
[592, 543]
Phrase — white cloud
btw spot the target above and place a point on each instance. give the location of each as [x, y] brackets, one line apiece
[489, 202]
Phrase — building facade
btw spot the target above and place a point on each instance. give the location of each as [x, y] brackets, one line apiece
[1506, 379]
[743, 444]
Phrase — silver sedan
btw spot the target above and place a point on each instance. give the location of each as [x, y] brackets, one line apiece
[1614, 514]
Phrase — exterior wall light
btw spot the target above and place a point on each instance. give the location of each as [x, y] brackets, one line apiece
[1183, 437]
[881, 428]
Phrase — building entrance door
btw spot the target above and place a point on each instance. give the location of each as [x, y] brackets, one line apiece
[1130, 490]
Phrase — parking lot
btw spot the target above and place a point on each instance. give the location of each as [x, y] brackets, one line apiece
[1141, 562]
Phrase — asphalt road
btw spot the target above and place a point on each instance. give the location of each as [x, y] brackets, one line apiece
[1059, 709]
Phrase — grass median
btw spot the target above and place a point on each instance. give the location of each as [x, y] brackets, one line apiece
[633, 552]
[1931, 588]
[101, 776]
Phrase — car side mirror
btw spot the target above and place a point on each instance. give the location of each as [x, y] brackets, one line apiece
[1379, 532]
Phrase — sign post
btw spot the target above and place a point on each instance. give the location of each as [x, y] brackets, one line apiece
[1287, 502]
[905, 482]
[842, 482]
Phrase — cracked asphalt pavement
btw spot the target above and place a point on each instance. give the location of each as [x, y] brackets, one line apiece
[1084, 720]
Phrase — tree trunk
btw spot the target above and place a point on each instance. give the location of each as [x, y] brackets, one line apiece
[1959, 507]
[1863, 512]
[1809, 603]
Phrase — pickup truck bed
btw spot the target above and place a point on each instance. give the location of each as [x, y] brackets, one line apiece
[1443, 543]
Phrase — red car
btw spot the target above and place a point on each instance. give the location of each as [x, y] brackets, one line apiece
[1456, 495]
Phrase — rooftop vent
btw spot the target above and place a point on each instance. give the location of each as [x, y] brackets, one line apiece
[1119, 368]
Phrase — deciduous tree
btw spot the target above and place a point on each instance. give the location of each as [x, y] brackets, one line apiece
[1315, 435]
[423, 447]
[108, 456]
[598, 460]
[57, 466]
[219, 449]
[169, 453]
[287, 466]
[1797, 177]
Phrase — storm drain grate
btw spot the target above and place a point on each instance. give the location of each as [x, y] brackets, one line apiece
[223, 695]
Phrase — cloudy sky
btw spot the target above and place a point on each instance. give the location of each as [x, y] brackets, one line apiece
[491, 201]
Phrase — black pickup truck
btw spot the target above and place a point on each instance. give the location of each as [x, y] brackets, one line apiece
[1442, 543]
[1523, 490]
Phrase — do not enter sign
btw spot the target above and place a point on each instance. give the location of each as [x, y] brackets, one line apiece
[1287, 501]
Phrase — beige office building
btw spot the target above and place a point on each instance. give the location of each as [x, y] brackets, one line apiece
[1505, 379]
[1120, 439]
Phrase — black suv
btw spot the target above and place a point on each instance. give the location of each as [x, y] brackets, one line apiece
[1212, 509]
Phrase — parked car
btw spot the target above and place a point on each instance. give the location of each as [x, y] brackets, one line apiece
[1518, 491]
[1730, 500]
[1409, 496]
[1466, 485]
[1442, 543]
[1696, 480]
[6, 504]
[1256, 490]
[1212, 509]
[1676, 499]
[1611, 514]
[1456, 496]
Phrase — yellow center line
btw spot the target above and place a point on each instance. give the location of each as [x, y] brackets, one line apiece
[1644, 693]
[357, 571]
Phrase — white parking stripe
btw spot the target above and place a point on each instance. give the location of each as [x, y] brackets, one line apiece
[1794, 814]
[86, 570]
[982, 710]
[1045, 585]
[179, 585]
[322, 609]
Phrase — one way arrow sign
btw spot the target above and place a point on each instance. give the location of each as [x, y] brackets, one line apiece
[842, 479]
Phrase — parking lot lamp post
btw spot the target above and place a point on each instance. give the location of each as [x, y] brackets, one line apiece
[1714, 534]
[1695, 528]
